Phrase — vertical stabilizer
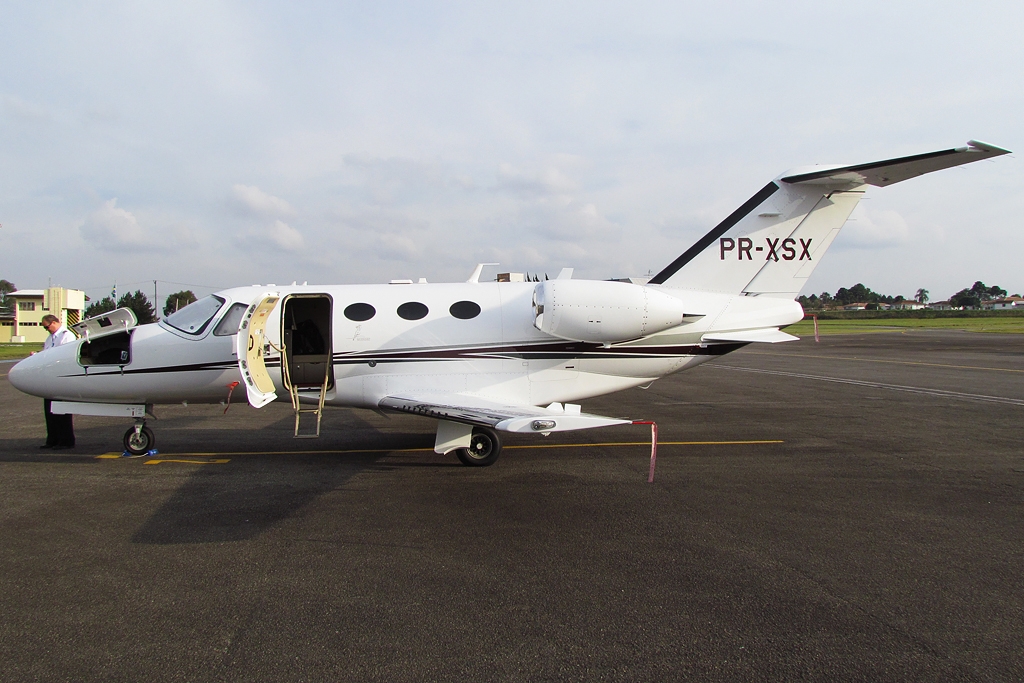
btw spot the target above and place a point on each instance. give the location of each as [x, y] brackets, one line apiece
[772, 243]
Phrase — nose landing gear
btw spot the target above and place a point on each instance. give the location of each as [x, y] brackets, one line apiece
[139, 439]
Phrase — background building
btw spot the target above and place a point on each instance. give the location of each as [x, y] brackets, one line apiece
[30, 305]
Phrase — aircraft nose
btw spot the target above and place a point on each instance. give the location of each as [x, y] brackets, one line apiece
[36, 375]
[21, 375]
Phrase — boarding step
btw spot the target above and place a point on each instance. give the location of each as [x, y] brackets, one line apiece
[297, 394]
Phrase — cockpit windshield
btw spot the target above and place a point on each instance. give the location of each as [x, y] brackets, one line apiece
[194, 318]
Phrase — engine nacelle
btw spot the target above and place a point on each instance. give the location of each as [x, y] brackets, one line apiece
[603, 311]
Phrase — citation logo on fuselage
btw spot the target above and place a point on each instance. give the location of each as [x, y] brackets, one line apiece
[777, 248]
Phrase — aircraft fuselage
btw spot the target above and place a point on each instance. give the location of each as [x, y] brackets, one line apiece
[492, 349]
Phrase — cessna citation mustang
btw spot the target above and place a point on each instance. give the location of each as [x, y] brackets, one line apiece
[480, 358]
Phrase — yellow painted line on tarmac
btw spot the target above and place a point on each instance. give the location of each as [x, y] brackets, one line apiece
[647, 443]
[157, 461]
[218, 461]
[878, 360]
[614, 444]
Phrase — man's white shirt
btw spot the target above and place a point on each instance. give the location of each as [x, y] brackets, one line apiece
[62, 336]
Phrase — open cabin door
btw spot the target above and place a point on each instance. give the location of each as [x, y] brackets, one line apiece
[252, 345]
[307, 352]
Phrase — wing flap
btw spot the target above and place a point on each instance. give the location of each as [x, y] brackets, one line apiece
[508, 418]
[770, 335]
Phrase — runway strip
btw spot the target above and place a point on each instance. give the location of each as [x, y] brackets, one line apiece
[940, 393]
[881, 360]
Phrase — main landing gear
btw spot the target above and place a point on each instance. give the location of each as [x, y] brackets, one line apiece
[484, 448]
[139, 440]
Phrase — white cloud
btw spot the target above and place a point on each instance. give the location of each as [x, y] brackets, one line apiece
[273, 237]
[112, 228]
[26, 110]
[253, 201]
[549, 180]
[868, 229]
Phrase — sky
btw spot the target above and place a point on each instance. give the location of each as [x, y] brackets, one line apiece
[213, 144]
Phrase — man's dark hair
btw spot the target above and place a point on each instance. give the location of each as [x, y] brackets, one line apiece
[49, 318]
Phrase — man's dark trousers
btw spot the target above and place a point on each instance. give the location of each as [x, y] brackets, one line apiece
[60, 430]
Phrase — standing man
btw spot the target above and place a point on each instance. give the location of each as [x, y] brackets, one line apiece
[60, 431]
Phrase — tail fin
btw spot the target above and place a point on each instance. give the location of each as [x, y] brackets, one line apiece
[771, 244]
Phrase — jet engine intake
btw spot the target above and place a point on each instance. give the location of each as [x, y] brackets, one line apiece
[603, 311]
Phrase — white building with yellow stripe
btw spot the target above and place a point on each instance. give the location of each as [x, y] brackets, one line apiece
[30, 305]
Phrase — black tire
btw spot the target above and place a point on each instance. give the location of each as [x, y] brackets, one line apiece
[141, 444]
[484, 448]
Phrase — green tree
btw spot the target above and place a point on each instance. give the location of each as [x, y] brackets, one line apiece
[921, 296]
[854, 295]
[984, 293]
[965, 298]
[104, 305]
[6, 304]
[810, 303]
[137, 301]
[178, 300]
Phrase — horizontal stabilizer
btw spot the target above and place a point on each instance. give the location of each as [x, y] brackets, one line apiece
[890, 171]
[509, 418]
[771, 335]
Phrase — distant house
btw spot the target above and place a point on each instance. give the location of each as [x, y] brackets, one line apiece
[1009, 303]
[908, 305]
[30, 305]
[940, 306]
[855, 307]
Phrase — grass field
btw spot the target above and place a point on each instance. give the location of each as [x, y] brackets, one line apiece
[12, 351]
[1008, 325]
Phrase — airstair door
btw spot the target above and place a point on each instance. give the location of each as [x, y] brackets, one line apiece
[252, 350]
[307, 353]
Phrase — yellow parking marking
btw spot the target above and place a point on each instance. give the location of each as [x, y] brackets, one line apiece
[218, 461]
[648, 443]
[170, 457]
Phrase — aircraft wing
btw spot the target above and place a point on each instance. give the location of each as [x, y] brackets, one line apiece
[474, 410]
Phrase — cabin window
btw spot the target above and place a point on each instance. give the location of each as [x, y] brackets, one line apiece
[114, 349]
[413, 310]
[464, 310]
[194, 318]
[228, 325]
[360, 312]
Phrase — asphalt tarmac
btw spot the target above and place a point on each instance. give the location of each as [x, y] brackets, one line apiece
[875, 533]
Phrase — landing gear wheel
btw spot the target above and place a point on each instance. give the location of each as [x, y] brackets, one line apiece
[484, 448]
[140, 443]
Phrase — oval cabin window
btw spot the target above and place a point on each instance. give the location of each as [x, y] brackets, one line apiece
[464, 310]
[360, 312]
[412, 310]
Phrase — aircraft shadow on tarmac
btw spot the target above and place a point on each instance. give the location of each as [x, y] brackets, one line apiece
[223, 504]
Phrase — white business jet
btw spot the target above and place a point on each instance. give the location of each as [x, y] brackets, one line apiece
[479, 357]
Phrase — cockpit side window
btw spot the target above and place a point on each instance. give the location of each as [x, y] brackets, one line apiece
[194, 318]
[228, 325]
